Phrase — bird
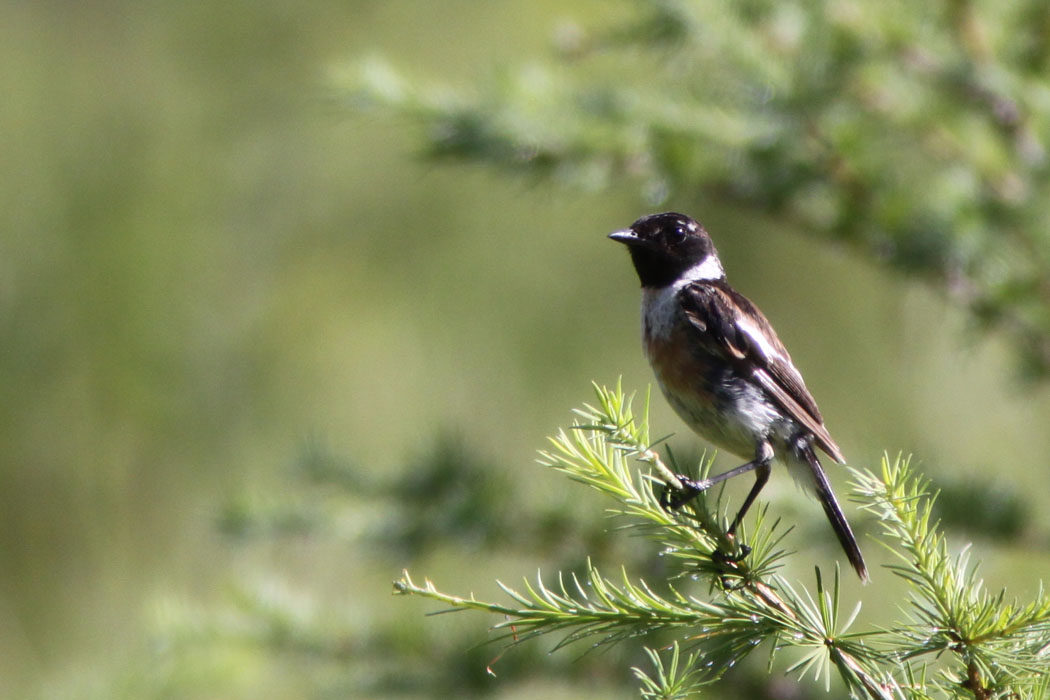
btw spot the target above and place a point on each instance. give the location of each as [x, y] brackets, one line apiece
[724, 371]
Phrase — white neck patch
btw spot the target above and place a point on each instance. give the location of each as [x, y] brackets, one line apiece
[660, 307]
[707, 270]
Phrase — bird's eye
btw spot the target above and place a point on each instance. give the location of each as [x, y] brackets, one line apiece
[677, 234]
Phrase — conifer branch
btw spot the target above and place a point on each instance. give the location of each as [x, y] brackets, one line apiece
[999, 649]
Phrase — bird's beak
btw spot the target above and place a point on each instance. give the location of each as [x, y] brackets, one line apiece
[627, 236]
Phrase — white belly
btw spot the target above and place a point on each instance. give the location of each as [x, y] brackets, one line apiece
[737, 421]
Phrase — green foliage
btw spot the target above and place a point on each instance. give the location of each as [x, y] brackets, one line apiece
[671, 681]
[320, 631]
[975, 644]
[1002, 646]
[915, 133]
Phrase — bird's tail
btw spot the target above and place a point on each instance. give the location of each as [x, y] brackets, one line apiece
[834, 513]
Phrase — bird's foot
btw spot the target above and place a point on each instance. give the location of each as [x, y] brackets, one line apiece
[722, 558]
[672, 498]
[731, 578]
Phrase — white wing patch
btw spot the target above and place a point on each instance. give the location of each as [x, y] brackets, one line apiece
[758, 338]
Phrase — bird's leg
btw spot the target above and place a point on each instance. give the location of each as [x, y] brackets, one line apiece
[762, 470]
[761, 464]
[691, 488]
[675, 499]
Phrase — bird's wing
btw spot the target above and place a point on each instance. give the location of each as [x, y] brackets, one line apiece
[731, 326]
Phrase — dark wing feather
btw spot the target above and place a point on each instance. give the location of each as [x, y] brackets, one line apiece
[731, 326]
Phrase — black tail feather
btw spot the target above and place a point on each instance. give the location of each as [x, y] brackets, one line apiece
[835, 515]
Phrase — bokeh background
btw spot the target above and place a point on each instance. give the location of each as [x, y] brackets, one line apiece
[258, 356]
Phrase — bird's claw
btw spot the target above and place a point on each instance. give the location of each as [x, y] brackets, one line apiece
[723, 558]
[672, 498]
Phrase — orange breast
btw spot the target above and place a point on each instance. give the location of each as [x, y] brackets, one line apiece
[679, 369]
[686, 376]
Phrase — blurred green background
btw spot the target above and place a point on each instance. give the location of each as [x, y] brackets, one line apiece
[211, 269]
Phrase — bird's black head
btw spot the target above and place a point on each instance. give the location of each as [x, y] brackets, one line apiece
[665, 246]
